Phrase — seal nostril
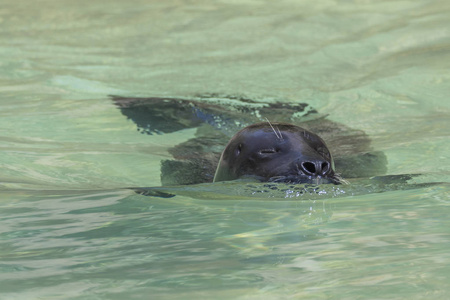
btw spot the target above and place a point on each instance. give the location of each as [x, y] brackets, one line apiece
[309, 167]
[315, 168]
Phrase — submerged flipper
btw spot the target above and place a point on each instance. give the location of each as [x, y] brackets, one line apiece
[228, 114]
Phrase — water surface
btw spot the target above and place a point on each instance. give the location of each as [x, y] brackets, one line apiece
[68, 230]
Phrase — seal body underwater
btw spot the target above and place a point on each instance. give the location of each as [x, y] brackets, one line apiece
[277, 152]
[274, 153]
[288, 150]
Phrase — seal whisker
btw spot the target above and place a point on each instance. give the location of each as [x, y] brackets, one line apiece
[339, 178]
[278, 134]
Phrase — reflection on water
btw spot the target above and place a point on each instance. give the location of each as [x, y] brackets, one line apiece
[67, 230]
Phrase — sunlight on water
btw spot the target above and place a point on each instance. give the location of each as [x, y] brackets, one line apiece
[68, 229]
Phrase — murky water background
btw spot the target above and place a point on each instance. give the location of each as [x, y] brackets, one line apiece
[67, 230]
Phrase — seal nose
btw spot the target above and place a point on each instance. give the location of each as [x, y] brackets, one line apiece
[315, 168]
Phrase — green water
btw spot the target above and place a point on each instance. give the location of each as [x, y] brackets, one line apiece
[67, 230]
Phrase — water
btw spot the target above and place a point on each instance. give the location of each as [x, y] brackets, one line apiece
[67, 230]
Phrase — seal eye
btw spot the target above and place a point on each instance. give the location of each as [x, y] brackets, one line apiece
[268, 151]
[238, 150]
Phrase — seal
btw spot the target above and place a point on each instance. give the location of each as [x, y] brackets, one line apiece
[215, 119]
[277, 152]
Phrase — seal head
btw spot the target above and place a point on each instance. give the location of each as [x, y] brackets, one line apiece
[277, 152]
